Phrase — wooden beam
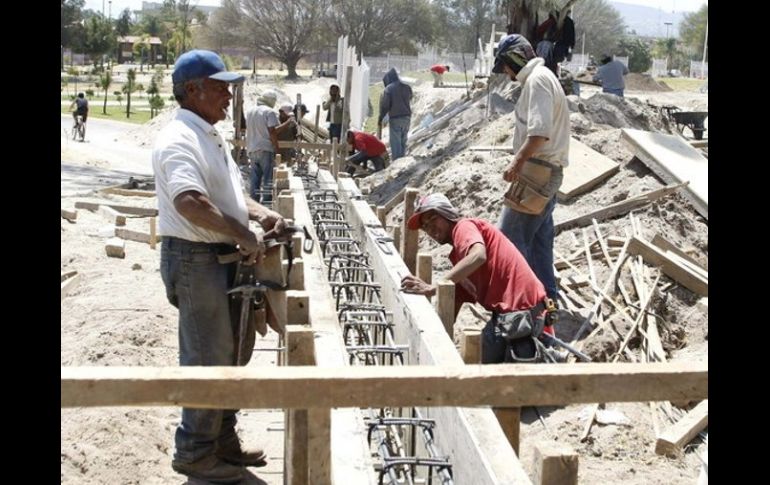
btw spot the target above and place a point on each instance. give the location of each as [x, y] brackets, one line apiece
[304, 145]
[470, 345]
[271, 269]
[510, 421]
[125, 209]
[445, 306]
[112, 215]
[382, 215]
[683, 274]
[297, 307]
[128, 192]
[667, 245]
[297, 276]
[70, 215]
[115, 247]
[619, 208]
[512, 385]
[673, 439]
[395, 200]
[299, 351]
[317, 119]
[409, 252]
[69, 283]
[153, 234]
[397, 237]
[284, 205]
[135, 236]
[425, 267]
[555, 463]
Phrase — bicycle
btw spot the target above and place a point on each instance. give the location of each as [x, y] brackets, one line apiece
[79, 128]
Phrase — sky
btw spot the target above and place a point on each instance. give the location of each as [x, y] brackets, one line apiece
[119, 5]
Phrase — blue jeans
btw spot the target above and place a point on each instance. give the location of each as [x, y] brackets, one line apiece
[262, 175]
[533, 236]
[197, 284]
[616, 92]
[362, 157]
[399, 129]
[335, 131]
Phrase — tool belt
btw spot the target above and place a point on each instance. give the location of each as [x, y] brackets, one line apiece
[530, 192]
[522, 329]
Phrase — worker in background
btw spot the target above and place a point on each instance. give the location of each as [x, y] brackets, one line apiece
[262, 145]
[364, 148]
[395, 103]
[334, 104]
[610, 74]
[437, 72]
[287, 130]
[541, 138]
[488, 269]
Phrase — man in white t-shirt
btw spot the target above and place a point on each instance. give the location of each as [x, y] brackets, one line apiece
[204, 212]
[262, 145]
[541, 138]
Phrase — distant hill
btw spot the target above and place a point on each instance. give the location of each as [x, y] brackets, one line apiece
[649, 21]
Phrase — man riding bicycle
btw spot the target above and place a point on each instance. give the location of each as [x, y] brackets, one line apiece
[82, 109]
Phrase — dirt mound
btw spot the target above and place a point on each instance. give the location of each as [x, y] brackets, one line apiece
[616, 112]
[644, 82]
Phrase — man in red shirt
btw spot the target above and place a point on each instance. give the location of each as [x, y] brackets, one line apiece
[488, 269]
[368, 148]
[438, 74]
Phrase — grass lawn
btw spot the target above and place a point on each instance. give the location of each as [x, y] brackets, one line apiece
[116, 113]
[681, 83]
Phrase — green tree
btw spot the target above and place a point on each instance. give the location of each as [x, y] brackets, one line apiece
[156, 102]
[280, 30]
[692, 30]
[375, 27]
[141, 49]
[638, 52]
[118, 97]
[124, 24]
[105, 80]
[128, 88]
[602, 25]
[98, 39]
[71, 25]
[462, 22]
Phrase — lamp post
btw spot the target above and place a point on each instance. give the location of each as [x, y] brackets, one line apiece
[667, 24]
[110, 10]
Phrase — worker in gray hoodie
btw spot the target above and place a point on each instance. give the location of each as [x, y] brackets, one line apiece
[395, 103]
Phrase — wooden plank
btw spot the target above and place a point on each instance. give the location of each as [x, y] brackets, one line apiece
[136, 236]
[69, 283]
[382, 215]
[445, 305]
[510, 421]
[555, 463]
[70, 215]
[128, 192]
[470, 345]
[425, 267]
[395, 200]
[682, 274]
[397, 237]
[587, 168]
[115, 247]
[299, 351]
[317, 119]
[667, 245]
[271, 269]
[153, 233]
[673, 160]
[304, 145]
[297, 307]
[297, 276]
[618, 208]
[125, 209]
[673, 439]
[512, 385]
[469, 435]
[112, 215]
[409, 252]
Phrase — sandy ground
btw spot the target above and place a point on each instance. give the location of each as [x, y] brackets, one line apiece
[118, 315]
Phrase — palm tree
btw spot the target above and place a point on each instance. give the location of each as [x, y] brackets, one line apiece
[129, 87]
[105, 80]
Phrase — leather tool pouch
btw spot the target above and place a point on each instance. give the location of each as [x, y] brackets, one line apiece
[527, 193]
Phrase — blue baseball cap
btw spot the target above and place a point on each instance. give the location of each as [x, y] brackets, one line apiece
[197, 63]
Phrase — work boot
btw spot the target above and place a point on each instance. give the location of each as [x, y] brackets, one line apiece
[230, 450]
[209, 468]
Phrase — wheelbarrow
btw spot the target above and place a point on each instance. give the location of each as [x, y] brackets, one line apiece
[691, 119]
